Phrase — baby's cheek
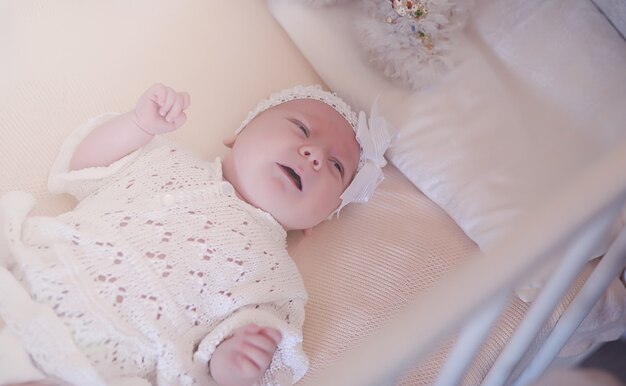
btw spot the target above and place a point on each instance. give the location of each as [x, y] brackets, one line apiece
[329, 204]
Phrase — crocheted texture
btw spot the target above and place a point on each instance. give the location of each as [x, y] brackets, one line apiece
[413, 51]
[160, 260]
[303, 92]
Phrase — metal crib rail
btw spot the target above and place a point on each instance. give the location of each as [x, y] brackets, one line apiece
[469, 342]
[607, 270]
[470, 287]
[546, 302]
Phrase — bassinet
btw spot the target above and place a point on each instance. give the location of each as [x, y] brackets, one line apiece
[400, 263]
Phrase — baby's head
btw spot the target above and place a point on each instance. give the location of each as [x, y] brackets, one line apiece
[303, 154]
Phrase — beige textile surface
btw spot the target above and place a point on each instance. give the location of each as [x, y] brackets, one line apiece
[64, 62]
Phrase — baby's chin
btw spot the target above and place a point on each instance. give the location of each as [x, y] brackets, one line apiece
[294, 216]
[297, 224]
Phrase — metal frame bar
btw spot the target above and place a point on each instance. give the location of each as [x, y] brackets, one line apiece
[541, 309]
[469, 341]
[605, 272]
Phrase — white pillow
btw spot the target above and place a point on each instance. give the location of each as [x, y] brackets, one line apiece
[506, 127]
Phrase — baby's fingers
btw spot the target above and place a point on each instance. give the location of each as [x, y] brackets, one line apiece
[167, 101]
[247, 367]
[179, 121]
[156, 93]
[262, 342]
[181, 102]
[259, 357]
[273, 334]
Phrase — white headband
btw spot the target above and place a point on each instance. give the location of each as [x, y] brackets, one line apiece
[373, 136]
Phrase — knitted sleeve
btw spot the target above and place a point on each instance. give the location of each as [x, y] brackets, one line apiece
[81, 183]
[290, 362]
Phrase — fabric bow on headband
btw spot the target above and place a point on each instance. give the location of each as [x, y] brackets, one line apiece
[375, 137]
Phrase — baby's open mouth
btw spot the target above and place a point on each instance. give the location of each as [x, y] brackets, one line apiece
[295, 178]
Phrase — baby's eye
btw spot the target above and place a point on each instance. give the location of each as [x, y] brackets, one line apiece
[301, 126]
[339, 166]
[304, 129]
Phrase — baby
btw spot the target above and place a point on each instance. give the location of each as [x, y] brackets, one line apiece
[171, 269]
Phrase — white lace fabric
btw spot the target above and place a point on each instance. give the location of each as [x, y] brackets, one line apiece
[157, 264]
[303, 92]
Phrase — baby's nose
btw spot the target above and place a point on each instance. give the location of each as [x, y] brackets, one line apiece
[314, 154]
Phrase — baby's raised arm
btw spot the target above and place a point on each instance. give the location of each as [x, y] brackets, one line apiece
[159, 110]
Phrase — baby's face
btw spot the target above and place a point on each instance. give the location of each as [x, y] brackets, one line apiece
[294, 160]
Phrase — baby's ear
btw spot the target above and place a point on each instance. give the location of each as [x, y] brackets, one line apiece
[230, 141]
[307, 231]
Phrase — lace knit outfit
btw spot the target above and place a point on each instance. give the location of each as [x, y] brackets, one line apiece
[156, 265]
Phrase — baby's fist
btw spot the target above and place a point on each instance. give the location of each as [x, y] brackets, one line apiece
[242, 359]
[161, 109]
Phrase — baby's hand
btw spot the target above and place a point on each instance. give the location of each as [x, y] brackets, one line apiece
[242, 359]
[161, 109]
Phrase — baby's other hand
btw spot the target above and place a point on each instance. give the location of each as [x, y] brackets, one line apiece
[161, 109]
[242, 359]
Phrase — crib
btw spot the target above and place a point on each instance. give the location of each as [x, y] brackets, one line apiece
[454, 273]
